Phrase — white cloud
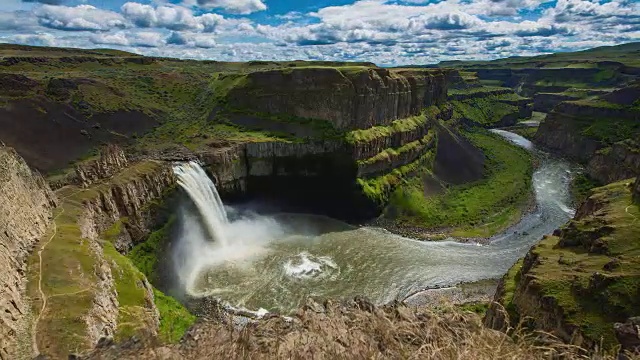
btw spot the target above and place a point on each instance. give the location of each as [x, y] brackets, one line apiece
[40, 39]
[243, 7]
[143, 39]
[79, 18]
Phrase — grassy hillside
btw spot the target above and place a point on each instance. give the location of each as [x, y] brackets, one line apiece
[589, 271]
[627, 54]
[478, 209]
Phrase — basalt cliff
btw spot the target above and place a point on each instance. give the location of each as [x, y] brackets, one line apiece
[579, 281]
[26, 209]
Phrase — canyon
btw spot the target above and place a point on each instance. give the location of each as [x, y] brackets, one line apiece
[355, 142]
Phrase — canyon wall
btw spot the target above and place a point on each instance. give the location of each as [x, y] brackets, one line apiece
[349, 98]
[112, 159]
[530, 81]
[26, 205]
[600, 132]
[580, 281]
[127, 198]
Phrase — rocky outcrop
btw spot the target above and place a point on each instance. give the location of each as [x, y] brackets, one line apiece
[620, 161]
[545, 102]
[127, 197]
[582, 279]
[348, 98]
[26, 204]
[600, 132]
[112, 160]
[628, 335]
[530, 81]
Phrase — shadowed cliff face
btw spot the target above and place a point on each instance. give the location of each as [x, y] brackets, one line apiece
[26, 204]
[349, 98]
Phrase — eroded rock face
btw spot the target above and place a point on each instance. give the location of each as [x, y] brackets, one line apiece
[125, 198]
[620, 161]
[112, 160]
[348, 99]
[573, 283]
[628, 335]
[26, 204]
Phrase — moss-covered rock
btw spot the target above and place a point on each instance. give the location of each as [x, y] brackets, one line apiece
[585, 277]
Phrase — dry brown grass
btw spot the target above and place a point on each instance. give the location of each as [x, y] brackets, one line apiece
[356, 331]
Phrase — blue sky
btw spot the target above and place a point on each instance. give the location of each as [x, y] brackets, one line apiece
[387, 32]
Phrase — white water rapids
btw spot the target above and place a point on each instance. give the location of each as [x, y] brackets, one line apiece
[275, 262]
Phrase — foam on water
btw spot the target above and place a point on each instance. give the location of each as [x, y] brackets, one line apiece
[306, 266]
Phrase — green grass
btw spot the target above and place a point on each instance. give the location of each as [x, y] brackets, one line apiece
[397, 126]
[576, 278]
[378, 189]
[134, 313]
[388, 154]
[478, 209]
[145, 255]
[527, 132]
[479, 90]
[175, 320]
[483, 111]
[479, 308]
[581, 187]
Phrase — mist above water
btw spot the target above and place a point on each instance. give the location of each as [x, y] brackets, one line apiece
[275, 262]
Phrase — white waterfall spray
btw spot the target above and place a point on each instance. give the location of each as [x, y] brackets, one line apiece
[202, 191]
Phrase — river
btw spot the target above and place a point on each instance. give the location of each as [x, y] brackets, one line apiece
[275, 262]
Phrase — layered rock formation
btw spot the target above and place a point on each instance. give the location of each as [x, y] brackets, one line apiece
[26, 204]
[620, 161]
[349, 98]
[127, 198]
[582, 279]
[530, 81]
[112, 160]
[601, 133]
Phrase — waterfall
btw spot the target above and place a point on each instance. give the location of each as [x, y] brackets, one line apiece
[202, 191]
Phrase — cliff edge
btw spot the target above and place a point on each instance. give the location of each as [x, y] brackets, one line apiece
[582, 279]
[26, 204]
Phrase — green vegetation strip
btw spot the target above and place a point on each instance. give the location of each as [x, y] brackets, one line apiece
[479, 209]
[391, 153]
[377, 189]
[397, 126]
[485, 111]
[594, 288]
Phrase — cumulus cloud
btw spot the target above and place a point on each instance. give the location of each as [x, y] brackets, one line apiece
[143, 39]
[243, 7]
[18, 20]
[79, 18]
[178, 18]
[41, 39]
[170, 17]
